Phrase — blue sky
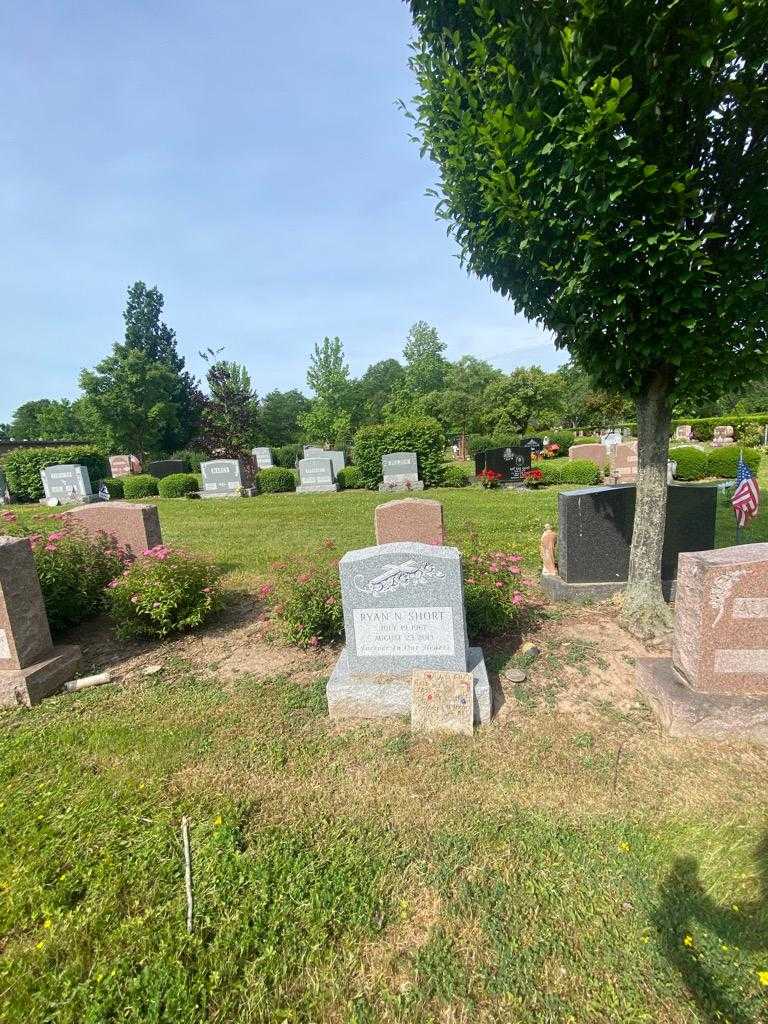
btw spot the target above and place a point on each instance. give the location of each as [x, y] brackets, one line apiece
[250, 160]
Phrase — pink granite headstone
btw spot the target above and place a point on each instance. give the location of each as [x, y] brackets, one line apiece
[594, 452]
[623, 462]
[410, 519]
[30, 666]
[684, 433]
[135, 527]
[721, 620]
[124, 465]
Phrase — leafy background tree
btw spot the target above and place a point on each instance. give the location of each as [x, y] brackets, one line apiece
[230, 417]
[280, 412]
[604, 165]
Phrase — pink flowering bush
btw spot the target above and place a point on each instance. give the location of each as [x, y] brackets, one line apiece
[74, 569]
[164, 591]
[494, 591]
[304, 600]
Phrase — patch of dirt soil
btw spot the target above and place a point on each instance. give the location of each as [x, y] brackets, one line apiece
[234, 643]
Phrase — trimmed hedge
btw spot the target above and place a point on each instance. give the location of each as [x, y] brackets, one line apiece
[704, 426]
[350, 478]
[691, 463]
[585, 440]
[286, 455]
[484, 442]
[115, 486]
[455, 476]
[563, 438]
[570, 471]
[140, 486]
[22, 467]
[723, 462]
[276, 480]
[424, 436]
[178, 485]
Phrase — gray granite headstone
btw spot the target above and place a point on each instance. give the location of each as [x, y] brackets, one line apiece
[224, 478]
[67, 484]
[400, 471]
[313, 450]
[262, 457]
[316, 475]
[403, 609]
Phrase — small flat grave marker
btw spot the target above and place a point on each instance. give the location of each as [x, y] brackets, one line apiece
[442, 702]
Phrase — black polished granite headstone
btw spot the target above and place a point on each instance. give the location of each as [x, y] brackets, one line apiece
[510, 462]
[534, 443]
[166, 467]
[595, 530]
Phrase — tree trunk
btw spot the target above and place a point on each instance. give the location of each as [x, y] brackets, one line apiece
[645, 612]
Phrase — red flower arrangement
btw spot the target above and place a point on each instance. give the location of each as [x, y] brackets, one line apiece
[532, 477]
[490, 478]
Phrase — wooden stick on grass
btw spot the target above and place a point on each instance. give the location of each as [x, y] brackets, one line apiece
[187, 870]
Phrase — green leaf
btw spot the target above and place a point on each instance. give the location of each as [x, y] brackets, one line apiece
[731, 15]
[650, 169]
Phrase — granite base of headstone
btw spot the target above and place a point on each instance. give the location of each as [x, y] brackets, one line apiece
[403, 612]
[69, 484]
[226, 478]
[715, 685]
[135, 527]
[595, 527]
[510, 463]
[400, 472]
[31, 668]
[316, 476]
[166, 467]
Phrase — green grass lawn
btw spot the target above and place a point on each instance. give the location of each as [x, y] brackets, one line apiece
[551, 869]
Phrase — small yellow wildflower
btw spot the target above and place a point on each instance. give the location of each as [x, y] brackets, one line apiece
[688, 940]
[47, 923]
[141, 785]
[645, 938]
[39, 945]
[218, 821]
[624, 847]
[762, 977]
[724, 948]
[735, 906]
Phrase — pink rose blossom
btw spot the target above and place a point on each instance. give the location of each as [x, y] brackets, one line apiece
[57, 535]
[330, 601]
[517, 597]
[50, 547]
[499, 584]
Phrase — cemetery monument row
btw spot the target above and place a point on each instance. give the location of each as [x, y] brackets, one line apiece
[336, 457]
[316, 475]
[595, 527]
[226, 478]
[403, 609]
[512, 463]
[31, 668]
[401, 472]
[715, 685]
[67, 484]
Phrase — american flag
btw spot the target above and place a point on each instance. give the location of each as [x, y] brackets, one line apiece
[746, 497]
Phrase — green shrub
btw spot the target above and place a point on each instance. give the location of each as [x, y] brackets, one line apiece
[484, 442]
[305, 605]
[585, 440]
[287, 455]
[563, 438]
[692, 463]
[749, 434]
[164, 592]
[191, 457]
[722, 462]
[178, 485]
[276, 479]
[350, 478]
[140, 486]
[22, 467]
[493, 591]
[115, 486]
[424, 436]
[74, 570]
[455, 476]
[570, 471]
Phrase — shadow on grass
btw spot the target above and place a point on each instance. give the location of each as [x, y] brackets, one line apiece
[684, 904]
